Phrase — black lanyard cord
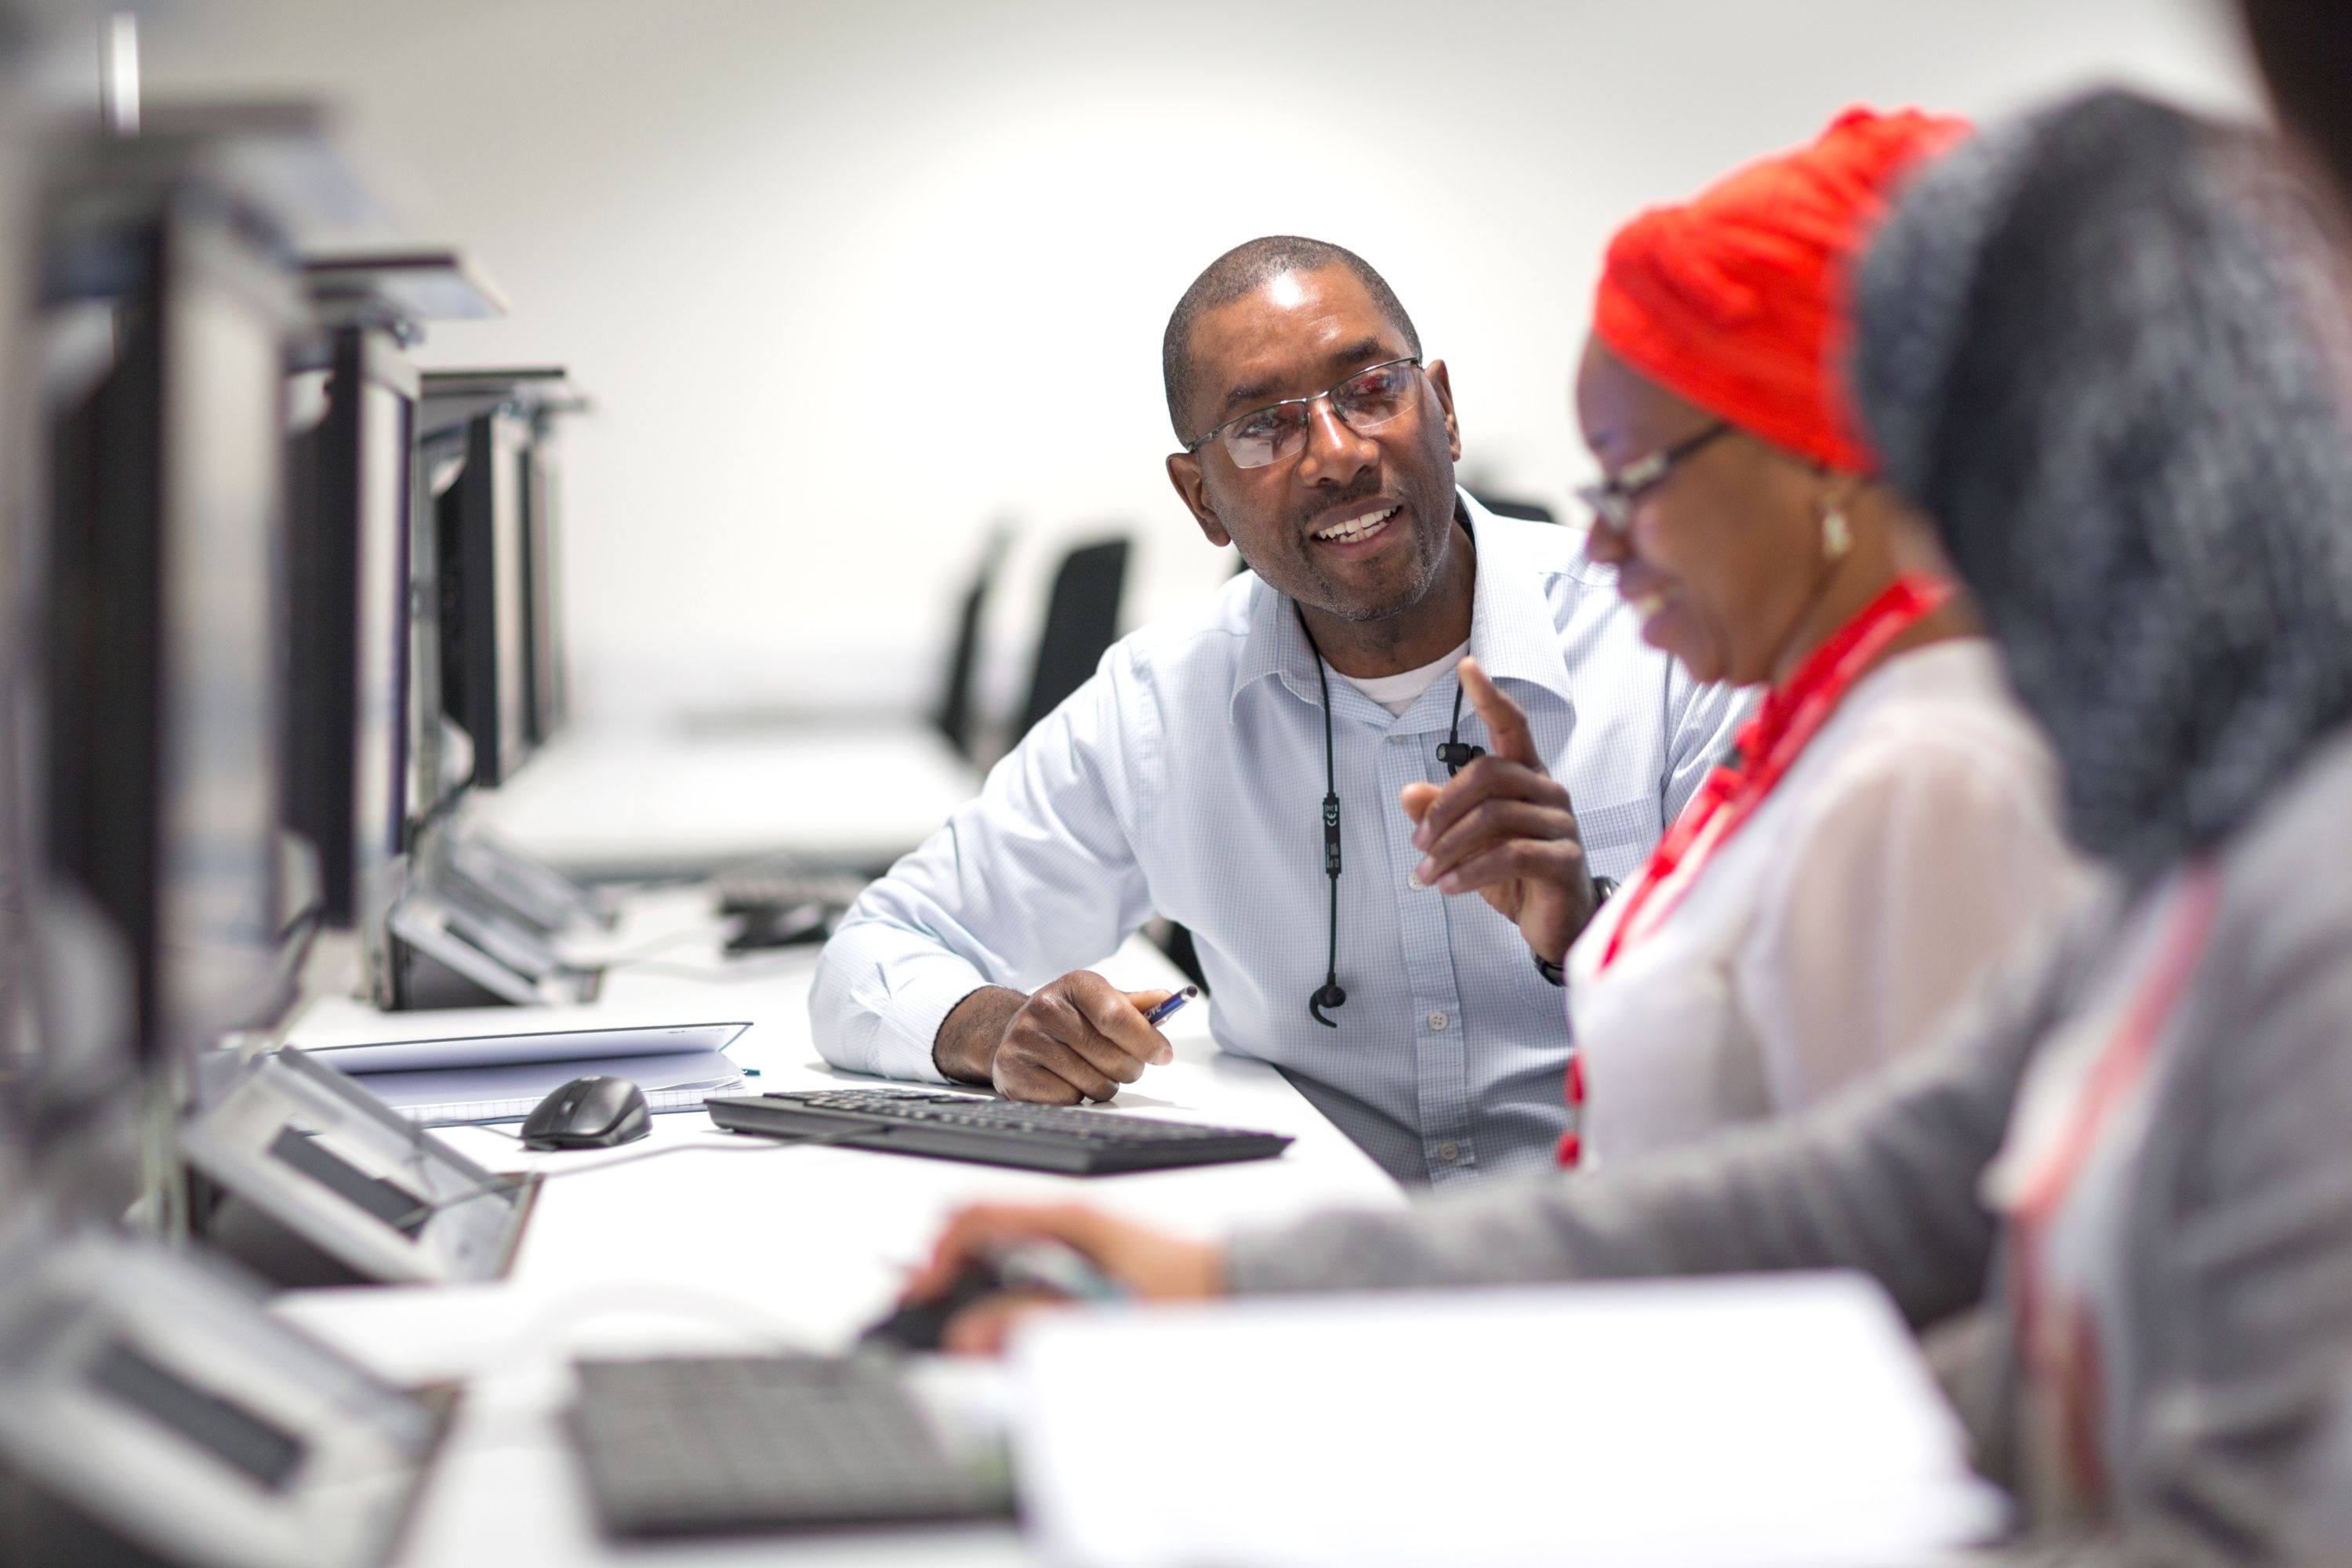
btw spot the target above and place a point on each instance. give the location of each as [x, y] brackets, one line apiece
[1453, 754]
[1331, 994]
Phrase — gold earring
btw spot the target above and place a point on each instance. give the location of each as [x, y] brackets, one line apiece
[1837, 534]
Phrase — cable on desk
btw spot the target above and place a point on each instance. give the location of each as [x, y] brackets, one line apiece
[512, 1181]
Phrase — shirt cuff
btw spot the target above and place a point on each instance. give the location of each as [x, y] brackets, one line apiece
[916, 1007]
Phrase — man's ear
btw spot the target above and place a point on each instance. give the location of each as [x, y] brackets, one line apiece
[1437, 378]
[1184, 473]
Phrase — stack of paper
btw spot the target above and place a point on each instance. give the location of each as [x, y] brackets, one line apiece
[1756, 1422]
[500, 1078]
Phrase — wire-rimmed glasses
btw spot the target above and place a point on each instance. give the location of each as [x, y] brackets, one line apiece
[1612, 498]
[1364, 401]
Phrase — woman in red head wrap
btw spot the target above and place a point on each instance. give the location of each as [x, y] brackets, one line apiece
[1890, 820]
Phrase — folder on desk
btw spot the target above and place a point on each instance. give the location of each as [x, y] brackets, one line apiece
[500, 1077]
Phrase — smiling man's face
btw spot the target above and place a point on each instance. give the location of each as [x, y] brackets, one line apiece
[1355, 524]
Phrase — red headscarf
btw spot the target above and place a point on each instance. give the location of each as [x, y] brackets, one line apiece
[1736, 300]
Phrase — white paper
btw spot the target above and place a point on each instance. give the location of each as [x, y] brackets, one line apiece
[502, 1077]
[505, 1050]
[1759, 1422]
[434, 1097]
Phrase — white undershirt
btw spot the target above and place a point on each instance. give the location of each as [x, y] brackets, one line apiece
[1398, 692]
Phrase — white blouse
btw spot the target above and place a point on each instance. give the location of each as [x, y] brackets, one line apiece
[1915, 836]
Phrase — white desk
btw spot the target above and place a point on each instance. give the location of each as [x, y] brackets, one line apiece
[731, 1250]
[619, 804]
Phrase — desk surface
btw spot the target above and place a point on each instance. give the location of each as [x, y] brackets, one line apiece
[619, 804]
[725, 1249]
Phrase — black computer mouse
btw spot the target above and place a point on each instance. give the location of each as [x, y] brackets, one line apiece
[1033, 1267]
[598, 1112]
[918, 1325]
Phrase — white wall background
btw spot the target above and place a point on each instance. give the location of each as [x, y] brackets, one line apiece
[851, 281]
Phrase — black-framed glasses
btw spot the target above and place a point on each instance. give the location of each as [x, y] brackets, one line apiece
[1612, 498]
[1364, 402]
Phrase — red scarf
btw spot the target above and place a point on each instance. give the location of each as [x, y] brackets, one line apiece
[1767, 747]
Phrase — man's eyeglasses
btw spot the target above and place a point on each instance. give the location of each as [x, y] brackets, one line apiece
[1364, 402]
[1612, 498]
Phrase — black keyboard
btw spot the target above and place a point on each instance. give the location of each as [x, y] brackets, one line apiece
[1074, 1140]
[737, 1443]
[780, 881]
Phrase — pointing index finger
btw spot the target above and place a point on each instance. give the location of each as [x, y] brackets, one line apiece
[1507, 726]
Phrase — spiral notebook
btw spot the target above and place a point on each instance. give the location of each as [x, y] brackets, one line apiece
[500, 1078]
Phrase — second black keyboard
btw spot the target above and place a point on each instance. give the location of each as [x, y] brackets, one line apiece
[1073, 1140]
[766, 1443]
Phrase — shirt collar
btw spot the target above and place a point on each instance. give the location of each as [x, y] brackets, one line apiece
[1514, 633]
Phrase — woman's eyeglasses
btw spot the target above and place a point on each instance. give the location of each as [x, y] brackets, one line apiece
[1612, 498]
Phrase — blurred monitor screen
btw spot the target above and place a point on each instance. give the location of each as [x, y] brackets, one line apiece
[483, 569]
[162, 670]
[544, 644]
[347, 718]
[218, 944]
[388, 463]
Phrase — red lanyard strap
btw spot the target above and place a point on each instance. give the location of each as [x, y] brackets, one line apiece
[1771, 743]
[2126, 1055]
[2061, 1352]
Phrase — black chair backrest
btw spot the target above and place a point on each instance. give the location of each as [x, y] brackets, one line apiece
[1081, 623]
[954, 715]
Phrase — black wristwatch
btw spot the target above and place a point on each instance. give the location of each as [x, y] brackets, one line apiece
[1557, 973]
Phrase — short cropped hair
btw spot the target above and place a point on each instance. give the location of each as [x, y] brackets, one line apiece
[1246, 267]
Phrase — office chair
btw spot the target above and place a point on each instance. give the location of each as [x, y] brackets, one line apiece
[1081, 623]
[954, 714]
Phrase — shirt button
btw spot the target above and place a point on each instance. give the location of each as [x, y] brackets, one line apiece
[1437, 1021]
[1449, 1150]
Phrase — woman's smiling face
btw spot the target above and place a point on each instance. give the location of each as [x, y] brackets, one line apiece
[1720, 555]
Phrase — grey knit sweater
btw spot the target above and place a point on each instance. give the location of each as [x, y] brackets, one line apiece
[2239, 1235]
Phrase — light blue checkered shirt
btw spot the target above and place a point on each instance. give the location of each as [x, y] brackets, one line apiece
[1186, 778]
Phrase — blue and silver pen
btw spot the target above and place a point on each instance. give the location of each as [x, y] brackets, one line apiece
[1169, 1006]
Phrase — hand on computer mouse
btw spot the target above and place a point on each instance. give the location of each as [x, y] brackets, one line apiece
[1146, 1263]
[1078, 1038]
[922, 1325]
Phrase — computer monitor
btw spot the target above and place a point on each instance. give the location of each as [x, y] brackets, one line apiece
[495, 530]
[347, 741]
[482, 556]
[542, 608]
[158, 710]
[477, 922]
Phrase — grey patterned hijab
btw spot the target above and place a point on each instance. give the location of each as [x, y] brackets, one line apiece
[2102, 348]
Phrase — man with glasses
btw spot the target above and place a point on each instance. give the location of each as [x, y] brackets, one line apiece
[1239, 770]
